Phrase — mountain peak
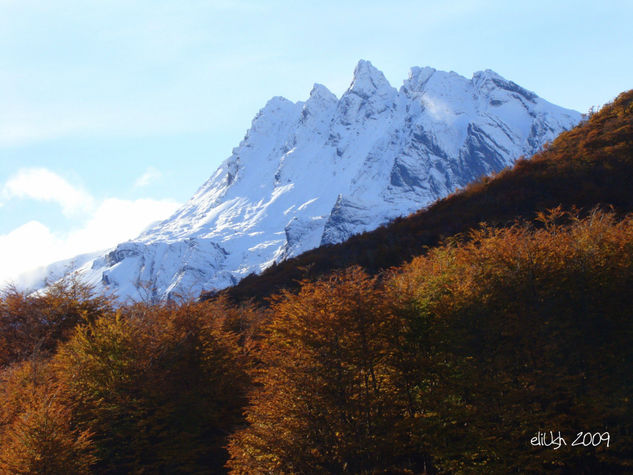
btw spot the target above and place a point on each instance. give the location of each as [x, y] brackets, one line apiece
[278, 103]
[368, 79]
[275, 106]
[487, 74]
[417, 73]
[418, 78]
[488, 80]
[320, 92]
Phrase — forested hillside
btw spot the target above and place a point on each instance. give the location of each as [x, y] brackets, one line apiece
[456, 361]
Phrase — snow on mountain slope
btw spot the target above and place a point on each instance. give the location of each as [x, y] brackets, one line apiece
[316, 172]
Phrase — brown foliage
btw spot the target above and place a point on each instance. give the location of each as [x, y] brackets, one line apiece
[451, 363]
[159, 386]
[33, 325]
[37, 434]
[458, 362]
[523, 329]
[326, 401]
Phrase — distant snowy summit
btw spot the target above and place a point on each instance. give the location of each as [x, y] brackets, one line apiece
[316, 172]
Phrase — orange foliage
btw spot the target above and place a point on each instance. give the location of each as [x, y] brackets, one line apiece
[33, 325]
[326, 401]
[451, 363]
[523, 329]
[37, 434]
[457, 363]
[159, 386]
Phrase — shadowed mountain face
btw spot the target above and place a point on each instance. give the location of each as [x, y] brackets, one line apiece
[317, 172]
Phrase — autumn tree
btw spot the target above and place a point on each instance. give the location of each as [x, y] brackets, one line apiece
[326, 402]
[160, 387]
[523, 329]
[33, 324]
[37, 431]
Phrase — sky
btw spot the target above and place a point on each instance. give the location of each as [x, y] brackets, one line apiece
[113, 113]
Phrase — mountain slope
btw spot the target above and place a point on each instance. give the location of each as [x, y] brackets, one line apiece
[317, 172]
[590, 165]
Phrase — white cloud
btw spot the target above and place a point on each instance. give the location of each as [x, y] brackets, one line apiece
[24, 248]
[114, 220]
[105, 223]
[151, 175]
[117, 220]
[44, 185]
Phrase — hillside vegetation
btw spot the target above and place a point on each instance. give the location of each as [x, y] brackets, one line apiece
[456, 361]
[452, 362]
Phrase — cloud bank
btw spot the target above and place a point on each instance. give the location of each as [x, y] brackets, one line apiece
[106, 222]
[41, 184]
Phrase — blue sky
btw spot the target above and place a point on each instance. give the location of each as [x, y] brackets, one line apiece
[114, 112]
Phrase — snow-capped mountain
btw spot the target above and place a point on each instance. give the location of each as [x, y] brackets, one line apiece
[316, 172]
